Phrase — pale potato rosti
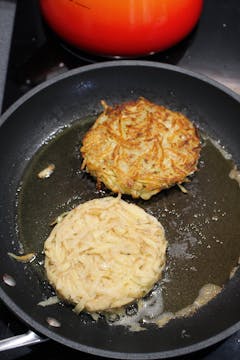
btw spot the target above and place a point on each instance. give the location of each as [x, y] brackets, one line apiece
[105, 253]
[140, 148]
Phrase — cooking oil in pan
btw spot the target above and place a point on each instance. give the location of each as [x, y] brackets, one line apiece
[202, 226]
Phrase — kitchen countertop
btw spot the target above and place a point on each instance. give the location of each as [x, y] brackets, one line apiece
[7, 15]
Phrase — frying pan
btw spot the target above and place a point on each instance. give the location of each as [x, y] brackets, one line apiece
[202, 226]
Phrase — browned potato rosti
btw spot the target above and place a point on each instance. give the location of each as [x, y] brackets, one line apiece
[140, 148]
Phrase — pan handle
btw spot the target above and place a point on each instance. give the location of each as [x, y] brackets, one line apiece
[29, 338]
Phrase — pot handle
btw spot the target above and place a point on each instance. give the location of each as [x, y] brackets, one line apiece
[29, 338]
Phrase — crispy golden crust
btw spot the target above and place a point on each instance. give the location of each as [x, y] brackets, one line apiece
[140, 148]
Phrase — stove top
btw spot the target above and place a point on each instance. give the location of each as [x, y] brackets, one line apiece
[36, 55]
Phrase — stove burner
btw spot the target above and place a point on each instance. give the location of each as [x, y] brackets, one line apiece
[37, 54]
[170, 56]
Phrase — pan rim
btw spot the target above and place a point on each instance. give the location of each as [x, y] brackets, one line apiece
[115, 63]
[37, 327]
[48, 332]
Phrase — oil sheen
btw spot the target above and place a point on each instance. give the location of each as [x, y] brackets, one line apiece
[202, 226]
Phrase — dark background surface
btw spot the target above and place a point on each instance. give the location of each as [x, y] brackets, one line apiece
[213, 49]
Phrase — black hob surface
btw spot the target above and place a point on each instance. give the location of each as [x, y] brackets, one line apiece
[213, 48]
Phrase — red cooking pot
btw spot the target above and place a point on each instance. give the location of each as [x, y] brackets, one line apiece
[125, 28]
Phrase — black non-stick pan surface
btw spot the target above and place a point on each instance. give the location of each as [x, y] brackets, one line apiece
[202, 227]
